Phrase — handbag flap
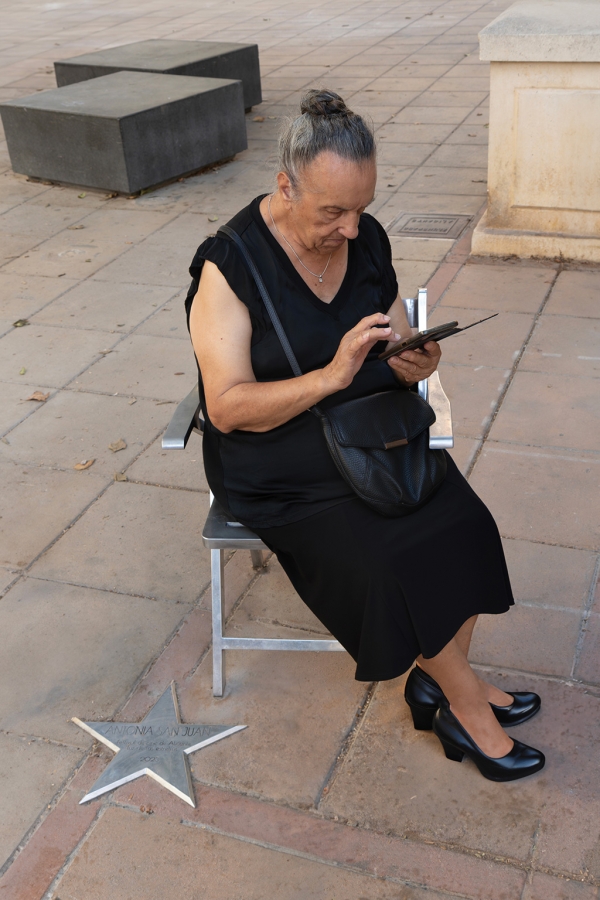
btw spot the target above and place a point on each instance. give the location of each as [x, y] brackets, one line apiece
[379, 421]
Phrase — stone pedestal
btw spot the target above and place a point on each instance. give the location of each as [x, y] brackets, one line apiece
[203, 59]
[544, 153]
[127, 131]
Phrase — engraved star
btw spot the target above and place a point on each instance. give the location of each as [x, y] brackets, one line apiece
[157, 746]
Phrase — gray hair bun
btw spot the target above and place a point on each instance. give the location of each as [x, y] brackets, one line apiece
[324, 103]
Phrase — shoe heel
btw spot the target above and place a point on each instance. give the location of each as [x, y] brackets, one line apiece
[422, 717]
[452, 753]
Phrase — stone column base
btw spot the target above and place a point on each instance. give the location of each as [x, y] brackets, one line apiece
[506, 242]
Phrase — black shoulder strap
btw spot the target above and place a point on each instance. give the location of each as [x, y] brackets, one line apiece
[225, 229]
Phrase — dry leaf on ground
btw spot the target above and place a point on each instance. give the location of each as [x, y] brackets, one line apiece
[81, 196]
[117, 445]
[258, 119]
[20, 322]
[213, 218]
[22, 371]
[74, 227]
[37, 395]
[84, 464]
[120, 476]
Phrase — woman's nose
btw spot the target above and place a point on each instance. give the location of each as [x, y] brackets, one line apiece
[349, 229]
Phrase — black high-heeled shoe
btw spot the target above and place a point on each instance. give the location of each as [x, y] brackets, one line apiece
[458, 743]
[424, 695]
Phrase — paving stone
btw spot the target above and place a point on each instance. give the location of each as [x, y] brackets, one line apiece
[545, 887]
[14, 406]
[550, 411]
[7, 576]
[396, 133]
[163, 258]
[448, 180]
[50, 356]
[564, 346]
[144, 366]
[36, 505]
[171, 468]
[169, 322]
[506, 640]
[40, 223]
[413, 274]
[80, 426]
[419, 248]
[575, 294]
[90, 646]
[459, 155]
[397, 780]
[500, 288]
[136, 539]
[588, 664]
[451, 115]
[547, 576]
[473, 392]
[432, 202]
[116, 854]
[105, 307]
[463, 452]
[78, 254]
[450, 98]
[22, 296]
[544, 495]
[32, 772]
[495, 344]
[404, 154]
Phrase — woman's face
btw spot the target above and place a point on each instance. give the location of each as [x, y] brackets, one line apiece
[332, 194]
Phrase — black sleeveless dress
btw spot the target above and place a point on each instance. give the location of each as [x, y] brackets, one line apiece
[387, 589]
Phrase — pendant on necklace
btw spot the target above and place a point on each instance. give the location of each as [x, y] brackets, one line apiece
[320, 279]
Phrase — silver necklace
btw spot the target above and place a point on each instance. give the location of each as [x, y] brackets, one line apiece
[314, 274]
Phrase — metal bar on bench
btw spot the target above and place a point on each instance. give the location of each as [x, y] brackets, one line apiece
[182, 422]
[217, 565]
[246, 643]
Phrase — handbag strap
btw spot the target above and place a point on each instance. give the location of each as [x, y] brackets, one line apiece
[287, 349]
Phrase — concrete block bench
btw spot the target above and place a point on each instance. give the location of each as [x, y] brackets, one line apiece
[206, 59]
[544, 154]
[127, 131]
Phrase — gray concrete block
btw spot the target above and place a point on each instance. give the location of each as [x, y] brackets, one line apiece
[206, 59]
[126, 131]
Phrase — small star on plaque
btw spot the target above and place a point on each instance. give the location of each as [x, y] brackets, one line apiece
[157, 746]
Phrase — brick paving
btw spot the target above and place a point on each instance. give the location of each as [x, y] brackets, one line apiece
[329, 793]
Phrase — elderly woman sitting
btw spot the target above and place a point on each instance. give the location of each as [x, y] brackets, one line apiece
[391, 590]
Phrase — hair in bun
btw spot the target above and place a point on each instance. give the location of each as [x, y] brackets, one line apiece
[324, 103]
[325, 123]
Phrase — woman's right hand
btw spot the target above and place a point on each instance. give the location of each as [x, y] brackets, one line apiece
[353, 350]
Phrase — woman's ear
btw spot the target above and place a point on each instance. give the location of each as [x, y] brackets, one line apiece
[285, 188]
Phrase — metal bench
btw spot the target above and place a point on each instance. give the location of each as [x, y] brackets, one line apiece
[222, 532]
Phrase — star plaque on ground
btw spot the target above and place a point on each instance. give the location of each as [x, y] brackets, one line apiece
[157, 746]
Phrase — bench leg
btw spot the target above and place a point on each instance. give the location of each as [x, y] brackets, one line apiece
[218, 654]
[257, 559]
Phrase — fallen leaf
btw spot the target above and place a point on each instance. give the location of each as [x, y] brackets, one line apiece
[162, 402]
[75, 227]
[20, 322]
[84, 464]
[120, 476]
[117, 445]
[104, 352]
[258, 119]
[5, 441]
[60, 275]
[81, 196]
[213, 218]
[471, 135]
[37, 395]
[132, 401]
[22, 371]
[109, 196]
[478, 180]
[120, 324]
[179, 373]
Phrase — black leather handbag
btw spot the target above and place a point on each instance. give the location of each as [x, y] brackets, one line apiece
[379, 443]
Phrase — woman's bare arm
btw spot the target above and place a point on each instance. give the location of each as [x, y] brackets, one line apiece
[221, 333]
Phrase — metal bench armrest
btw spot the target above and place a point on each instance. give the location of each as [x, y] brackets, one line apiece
[440, 433]
[185, 419]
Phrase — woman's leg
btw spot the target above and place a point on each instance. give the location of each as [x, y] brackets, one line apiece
[463, 639]
[468, 699]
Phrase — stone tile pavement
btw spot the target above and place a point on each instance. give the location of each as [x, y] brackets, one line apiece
[329, 793]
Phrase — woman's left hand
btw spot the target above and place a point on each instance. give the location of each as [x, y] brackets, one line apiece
[416, 365]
